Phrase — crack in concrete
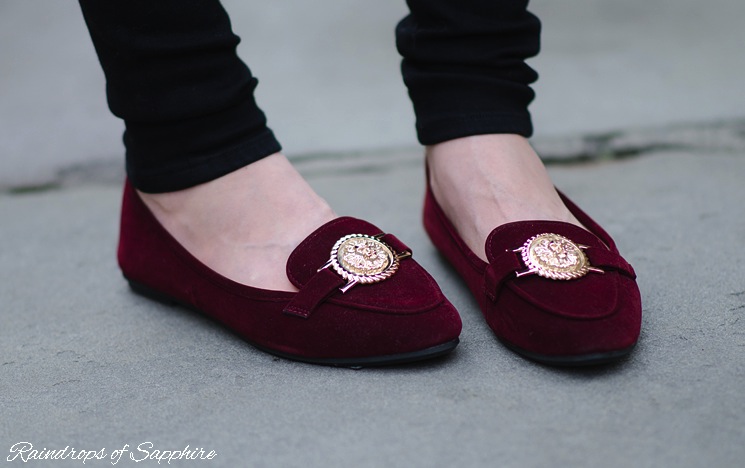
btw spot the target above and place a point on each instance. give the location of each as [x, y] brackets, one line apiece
[726, 136]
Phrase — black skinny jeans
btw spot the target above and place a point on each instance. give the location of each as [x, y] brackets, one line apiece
[173, 76]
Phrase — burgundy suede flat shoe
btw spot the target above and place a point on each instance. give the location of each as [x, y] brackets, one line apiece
[362, 301]
[551, 291]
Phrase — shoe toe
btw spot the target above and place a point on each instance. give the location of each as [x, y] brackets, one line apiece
[404, 313]
[401, 318]
[587, 316]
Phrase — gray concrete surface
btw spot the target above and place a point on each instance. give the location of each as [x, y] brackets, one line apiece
[86, 363]
[638, 112]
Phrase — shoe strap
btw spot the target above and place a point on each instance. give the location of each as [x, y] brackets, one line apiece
[500, 270]
[506, 265]
[325, 282]
[395, 243]
[320, 286]
[607, 260]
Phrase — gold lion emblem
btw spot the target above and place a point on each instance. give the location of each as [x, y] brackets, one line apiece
[555, 257]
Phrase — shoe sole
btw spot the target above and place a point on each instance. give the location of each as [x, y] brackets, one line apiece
[352, 363]
[576, 360]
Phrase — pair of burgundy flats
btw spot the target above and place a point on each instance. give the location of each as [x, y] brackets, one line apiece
[552, 292]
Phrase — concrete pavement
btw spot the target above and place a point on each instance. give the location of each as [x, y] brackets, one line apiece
[84, 363]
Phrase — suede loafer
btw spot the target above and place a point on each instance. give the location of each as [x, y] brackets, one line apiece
[362, 300]
[551, 291]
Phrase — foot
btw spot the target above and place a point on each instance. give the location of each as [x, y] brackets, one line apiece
[245, 224]
[484, 181]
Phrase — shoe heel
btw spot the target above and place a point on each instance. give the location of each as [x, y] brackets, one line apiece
[150, 293]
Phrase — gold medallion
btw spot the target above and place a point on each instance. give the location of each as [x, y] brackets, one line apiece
[360, 258]
[555, 257]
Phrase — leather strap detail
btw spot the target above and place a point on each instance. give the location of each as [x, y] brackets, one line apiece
[500, 269]
[314, 292]
[393, 241]
[605, 259]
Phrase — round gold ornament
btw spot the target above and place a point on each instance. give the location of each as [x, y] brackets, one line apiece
[360, 258]
[555, 257]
